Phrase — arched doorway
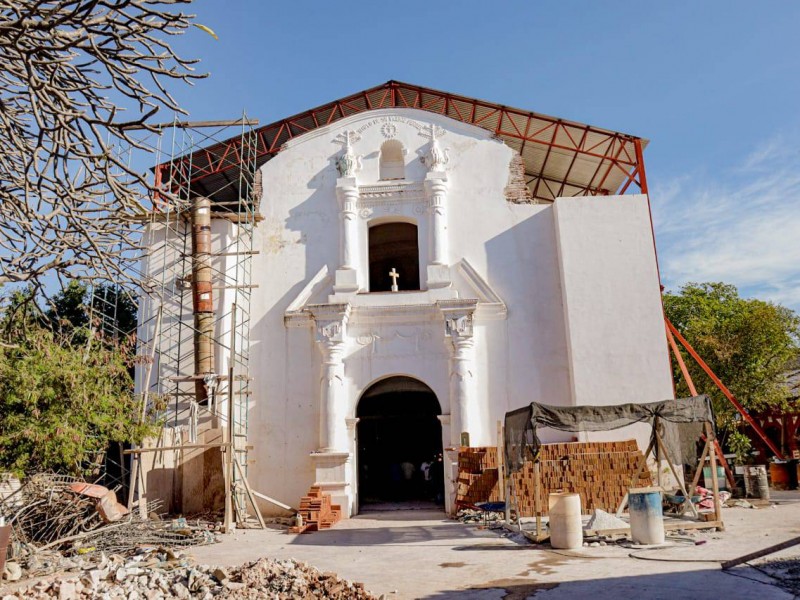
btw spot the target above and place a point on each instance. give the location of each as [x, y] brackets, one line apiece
[398, 431]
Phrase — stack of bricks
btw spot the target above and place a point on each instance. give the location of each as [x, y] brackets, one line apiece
[317, 512]
[477, 476]
[600, 472]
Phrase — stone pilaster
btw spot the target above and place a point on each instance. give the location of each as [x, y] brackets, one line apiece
[331, 326]
[436, 190]
[464, 410]
[347, 274]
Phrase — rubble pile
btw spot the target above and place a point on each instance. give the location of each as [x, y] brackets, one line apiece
[471, 515]
[58, 523]
[158, 575]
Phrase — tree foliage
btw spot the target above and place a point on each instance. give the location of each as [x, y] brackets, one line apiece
[750, 344]
[68, 200]
[62, 401]
[108, 309]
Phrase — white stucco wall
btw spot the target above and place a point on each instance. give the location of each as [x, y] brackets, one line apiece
[612, 304]
[511, 246]
[568, 308]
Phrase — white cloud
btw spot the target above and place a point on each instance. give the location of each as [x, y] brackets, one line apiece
[742, 227]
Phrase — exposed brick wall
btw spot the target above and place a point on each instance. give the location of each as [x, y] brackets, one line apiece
[516, 190]
[600, 472]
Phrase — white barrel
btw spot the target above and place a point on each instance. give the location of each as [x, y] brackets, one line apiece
[647, 515]
[566, 530]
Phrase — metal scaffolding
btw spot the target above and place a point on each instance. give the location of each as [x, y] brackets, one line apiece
[167, 378]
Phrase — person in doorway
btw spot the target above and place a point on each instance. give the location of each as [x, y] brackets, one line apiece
[437, 479]
[408, 469]
[395, 479]
[425, 470]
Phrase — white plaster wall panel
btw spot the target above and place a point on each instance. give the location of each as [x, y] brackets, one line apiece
[514, 247]
[612, 302]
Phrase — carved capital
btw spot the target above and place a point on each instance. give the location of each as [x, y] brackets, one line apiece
[459, 316]
[459, 325]
[331, 325]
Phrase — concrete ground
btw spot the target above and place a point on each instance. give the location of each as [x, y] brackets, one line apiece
[422, 554]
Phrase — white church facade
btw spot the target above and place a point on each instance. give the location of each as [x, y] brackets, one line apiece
[412, 283]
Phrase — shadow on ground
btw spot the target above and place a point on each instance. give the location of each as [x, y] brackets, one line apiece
[449, 534]
[707, 583]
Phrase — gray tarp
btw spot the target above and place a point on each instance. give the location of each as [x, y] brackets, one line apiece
[682, 421]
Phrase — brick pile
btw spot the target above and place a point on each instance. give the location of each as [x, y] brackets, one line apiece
[600, 472]
[317, 512]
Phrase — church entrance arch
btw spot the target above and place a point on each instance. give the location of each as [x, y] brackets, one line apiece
[397, 433]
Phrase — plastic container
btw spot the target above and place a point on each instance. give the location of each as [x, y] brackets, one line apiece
[779, 476]
[722, 479]
[566, 529]
[755, 482]
[647, 515]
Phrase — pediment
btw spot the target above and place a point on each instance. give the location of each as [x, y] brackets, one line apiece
[467, 284]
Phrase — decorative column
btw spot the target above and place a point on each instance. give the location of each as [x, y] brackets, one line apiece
[464, 410]
[436, 188]
[347, 192]
[331, 323]
[332, 462]
[436, 161]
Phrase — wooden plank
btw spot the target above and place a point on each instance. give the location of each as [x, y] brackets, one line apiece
[250, 495]
[227, 525]
[714, 479]
[277, 503]
[759, 553]
[182, 447]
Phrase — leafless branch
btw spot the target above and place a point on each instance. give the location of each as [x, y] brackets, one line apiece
[66, 67]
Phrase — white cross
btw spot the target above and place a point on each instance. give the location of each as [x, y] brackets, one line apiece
[394, 275]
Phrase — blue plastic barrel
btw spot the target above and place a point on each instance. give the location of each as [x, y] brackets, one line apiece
[647, 515]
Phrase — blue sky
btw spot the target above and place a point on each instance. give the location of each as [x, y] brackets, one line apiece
[714, 85]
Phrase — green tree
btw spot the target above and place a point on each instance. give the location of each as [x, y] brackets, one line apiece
[748, 343]
[62, 403]
[111, 309]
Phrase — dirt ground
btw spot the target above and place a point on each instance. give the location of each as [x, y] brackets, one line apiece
[422, 554]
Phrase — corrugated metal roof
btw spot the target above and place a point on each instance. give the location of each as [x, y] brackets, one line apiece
[562, 158]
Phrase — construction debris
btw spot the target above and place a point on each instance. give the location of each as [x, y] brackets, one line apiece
[157, 574]
[472, 515]
[58, 523]
[601, 520]
[316, 512]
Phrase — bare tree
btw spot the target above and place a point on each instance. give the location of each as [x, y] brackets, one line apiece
[68, 203]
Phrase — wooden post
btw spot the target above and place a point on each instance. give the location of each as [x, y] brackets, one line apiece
[657, 453]
[250, 495]
[501, 461]
[715, 482]
[135, 466]
[537, 506]
[635, 479]
[686, 496]
[229, 450]
[699, 471]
